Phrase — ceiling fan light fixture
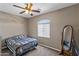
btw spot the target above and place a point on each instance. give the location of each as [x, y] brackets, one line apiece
[30, 12]
[26, 11]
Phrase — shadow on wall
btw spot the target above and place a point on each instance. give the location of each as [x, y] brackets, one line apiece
[0, 44]
[76, 35]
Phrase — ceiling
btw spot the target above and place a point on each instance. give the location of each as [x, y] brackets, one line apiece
[45, 7]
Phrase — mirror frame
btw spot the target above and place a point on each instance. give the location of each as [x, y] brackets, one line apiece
[63, 40]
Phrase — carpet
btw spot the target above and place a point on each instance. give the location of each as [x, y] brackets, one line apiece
[39, 51]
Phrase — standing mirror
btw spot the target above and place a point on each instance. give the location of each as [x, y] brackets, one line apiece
[67, 36]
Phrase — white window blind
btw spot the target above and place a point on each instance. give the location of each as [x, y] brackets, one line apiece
[44, 28]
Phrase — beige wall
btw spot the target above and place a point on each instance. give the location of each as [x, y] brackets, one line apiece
[11, 25]
[59, 18]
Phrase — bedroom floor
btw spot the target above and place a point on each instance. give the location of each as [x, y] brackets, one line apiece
[39, 51]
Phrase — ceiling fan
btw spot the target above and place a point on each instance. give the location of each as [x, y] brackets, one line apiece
[27, 8]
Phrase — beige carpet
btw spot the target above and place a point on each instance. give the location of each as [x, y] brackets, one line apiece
[39, 51]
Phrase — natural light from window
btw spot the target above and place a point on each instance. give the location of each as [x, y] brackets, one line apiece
[44, 28]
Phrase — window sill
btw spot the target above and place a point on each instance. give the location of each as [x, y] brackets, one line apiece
[44, 37]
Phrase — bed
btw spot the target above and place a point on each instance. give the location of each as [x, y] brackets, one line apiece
[21, 44]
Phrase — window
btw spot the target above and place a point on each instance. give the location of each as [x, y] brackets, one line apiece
[44, 28]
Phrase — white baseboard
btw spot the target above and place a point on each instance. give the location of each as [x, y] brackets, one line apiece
[50, 47]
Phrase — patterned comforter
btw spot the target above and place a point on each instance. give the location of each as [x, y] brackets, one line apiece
[21, 44]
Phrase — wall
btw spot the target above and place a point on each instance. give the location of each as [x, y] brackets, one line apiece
[59, 18]
[11, 25]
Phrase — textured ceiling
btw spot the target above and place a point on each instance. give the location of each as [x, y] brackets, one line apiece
[45, 7]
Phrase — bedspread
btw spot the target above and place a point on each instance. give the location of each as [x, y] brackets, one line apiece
[19, 45]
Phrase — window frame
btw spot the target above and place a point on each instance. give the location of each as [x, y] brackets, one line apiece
[43, 23]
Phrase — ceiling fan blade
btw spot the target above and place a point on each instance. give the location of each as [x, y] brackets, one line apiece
[22, 12]
[36, 11]
[18, 6]
[30, 6]
[31, 14]
[26, 4]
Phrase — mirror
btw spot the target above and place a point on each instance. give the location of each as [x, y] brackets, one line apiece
[67, 36]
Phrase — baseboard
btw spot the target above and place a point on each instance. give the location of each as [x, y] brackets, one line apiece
[50, 47]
